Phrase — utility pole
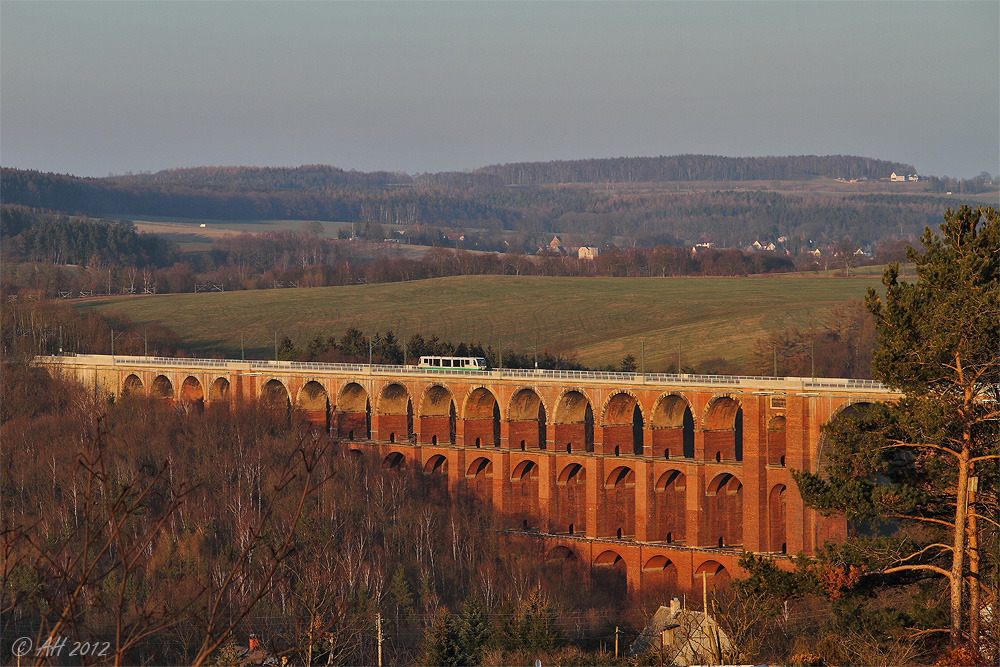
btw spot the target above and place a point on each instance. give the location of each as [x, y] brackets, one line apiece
[642, 357]
[812, 356]
[243, 356]
[679, 371]
[369, 350]
[775, 360]
[145, 342]
[275, 345]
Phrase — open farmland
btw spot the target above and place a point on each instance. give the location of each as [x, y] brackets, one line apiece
[601, 319]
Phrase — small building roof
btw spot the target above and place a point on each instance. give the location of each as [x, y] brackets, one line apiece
[689, 637]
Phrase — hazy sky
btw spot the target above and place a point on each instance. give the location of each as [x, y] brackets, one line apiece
[91, 88]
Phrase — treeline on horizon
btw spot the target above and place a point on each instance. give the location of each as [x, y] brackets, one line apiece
[679, 168]
[485, 202]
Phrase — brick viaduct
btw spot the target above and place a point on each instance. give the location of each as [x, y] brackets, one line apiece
[660, 478]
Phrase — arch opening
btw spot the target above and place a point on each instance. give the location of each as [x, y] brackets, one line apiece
[394, 411]
[672, 425]
[314, 403]
[479, 478]
[724, 429]
[524, 494]
[132, 386]
[623, 424]
[724, 510]
[659, 574]
[571, 500]
[192, 394]
[527, 418]
[437, 415]
[481, 418]
[161, 387]
[619, 503]
[777, 541]
[219, 391]
[353, 413]
[669, 507]
[394, 461]
[274, 397]
[609, 574]
[715, 574]
[574, 420]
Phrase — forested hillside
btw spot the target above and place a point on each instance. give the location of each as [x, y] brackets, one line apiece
[726, 218]
[691, 168]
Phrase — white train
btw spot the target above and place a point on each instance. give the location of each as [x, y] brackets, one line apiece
[468, 363]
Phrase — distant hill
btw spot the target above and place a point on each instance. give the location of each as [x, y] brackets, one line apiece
[524, 199]
[308, 177]
[687, 168]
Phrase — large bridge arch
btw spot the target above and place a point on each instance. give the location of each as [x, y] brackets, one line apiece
[274, 395]
[524, 493]
[610, 573]
[526, 415]
[437, 416]
[570, 515]
[479, 478]
[314, 402]
[672, 423]
[436, 475]
[724, 511]
[659, 573]
[622, 424]
[161, 387]
[218, 392]
[394, 461]
[394, 411]
[132, 386]
[832, 528]
[619, 505]
[714, 573]
[353, 412]
[574, 421]
[481, 418]
[669, 507]
[723, 425]
[192, 393]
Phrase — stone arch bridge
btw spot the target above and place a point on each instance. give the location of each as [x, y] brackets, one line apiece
[650, 479]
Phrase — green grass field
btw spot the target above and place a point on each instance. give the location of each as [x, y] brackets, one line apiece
[601, 319]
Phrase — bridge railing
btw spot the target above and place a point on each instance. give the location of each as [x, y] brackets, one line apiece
[523, 373]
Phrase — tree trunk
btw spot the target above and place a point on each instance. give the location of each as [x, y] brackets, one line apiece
[958, 555]
[973, 574]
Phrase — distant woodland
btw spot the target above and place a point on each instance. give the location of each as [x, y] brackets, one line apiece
[524, 198]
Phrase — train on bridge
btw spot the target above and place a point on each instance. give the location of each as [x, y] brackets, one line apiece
[662, 478]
